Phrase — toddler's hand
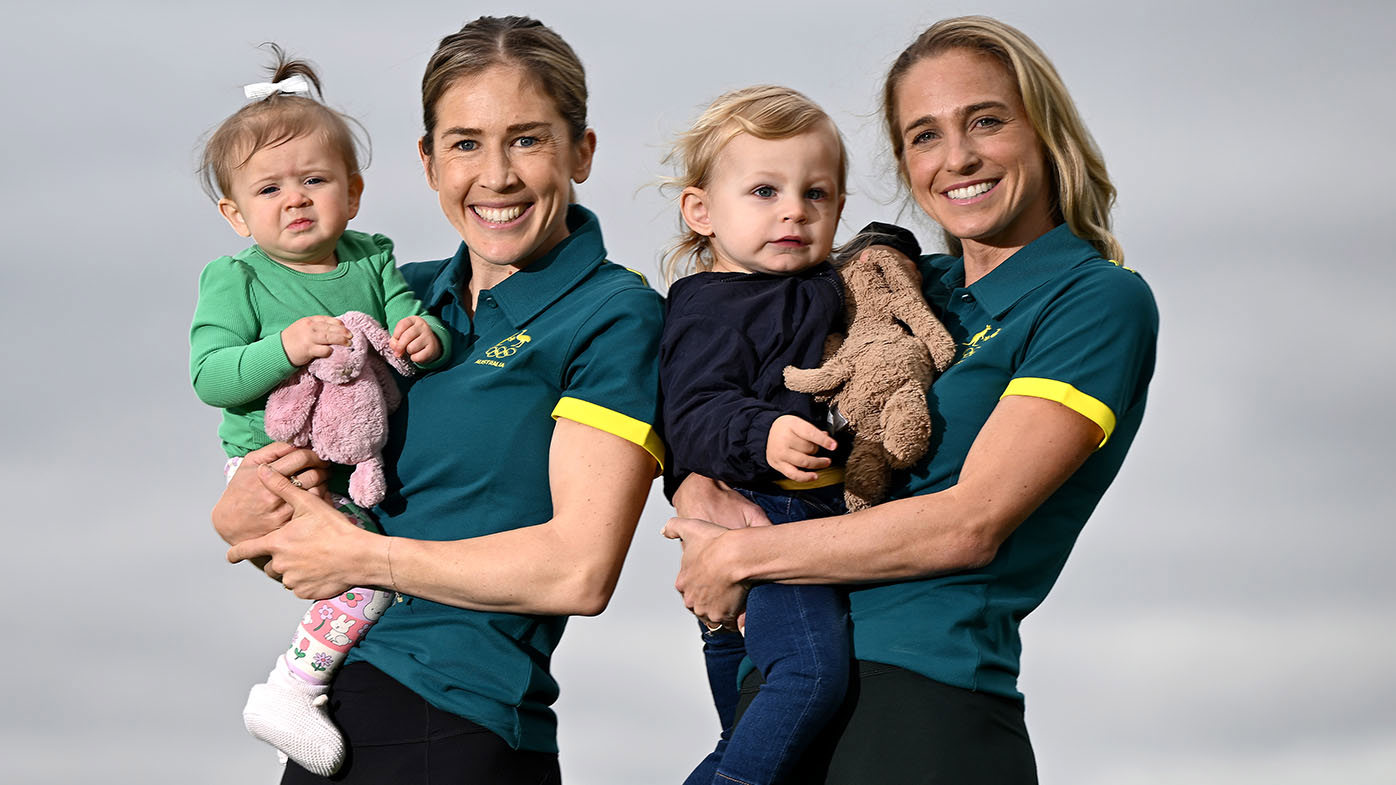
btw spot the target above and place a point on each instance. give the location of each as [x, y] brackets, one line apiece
[413, 338]
[313, 336]
[791, 448]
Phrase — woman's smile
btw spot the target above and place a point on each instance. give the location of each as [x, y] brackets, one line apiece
[966, 193]
[499, 216]
[503, 162]
[971, 157]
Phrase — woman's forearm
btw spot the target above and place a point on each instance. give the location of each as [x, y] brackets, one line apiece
[908, 538]
[532, 570]
[892, 541]
[568, 565]
[1026, 450]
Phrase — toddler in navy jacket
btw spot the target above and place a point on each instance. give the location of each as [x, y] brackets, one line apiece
[762, 175]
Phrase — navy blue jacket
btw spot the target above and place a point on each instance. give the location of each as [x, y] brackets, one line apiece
[727, 339]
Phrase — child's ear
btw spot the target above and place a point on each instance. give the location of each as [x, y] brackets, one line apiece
[693, 206]
[356, 190]
[230, 212]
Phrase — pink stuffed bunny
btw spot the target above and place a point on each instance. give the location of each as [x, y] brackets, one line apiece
[338, 406]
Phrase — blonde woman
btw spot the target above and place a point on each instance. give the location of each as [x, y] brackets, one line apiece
[1031, 424]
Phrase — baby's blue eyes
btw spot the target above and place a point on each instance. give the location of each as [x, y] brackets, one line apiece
[768, 192]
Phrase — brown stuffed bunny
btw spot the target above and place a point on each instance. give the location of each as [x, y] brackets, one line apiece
[876, 376]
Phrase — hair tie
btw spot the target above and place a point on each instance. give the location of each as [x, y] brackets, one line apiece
[294, 85]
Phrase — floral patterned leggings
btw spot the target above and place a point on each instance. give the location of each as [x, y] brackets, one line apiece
[331, 627]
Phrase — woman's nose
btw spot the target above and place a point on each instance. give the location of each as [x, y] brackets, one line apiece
[962, 155]
[499, 172]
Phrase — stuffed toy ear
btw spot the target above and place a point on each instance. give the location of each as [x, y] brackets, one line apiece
[898, 270]
[391, 397]
[909, 305]
[289, 407]
[366, 326]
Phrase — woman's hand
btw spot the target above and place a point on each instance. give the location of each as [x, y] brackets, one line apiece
[318, 553]
[247, 509]
[704, 580]
[712, 501]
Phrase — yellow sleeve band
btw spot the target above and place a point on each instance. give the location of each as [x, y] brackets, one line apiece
[601, 418]
[1068, 396]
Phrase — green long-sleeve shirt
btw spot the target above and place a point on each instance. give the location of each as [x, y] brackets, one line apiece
[245, 301]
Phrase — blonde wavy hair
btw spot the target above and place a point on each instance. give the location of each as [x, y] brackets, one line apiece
[1081, 188]
[763, 111]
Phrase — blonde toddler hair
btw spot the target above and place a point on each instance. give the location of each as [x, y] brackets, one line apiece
[765, 112]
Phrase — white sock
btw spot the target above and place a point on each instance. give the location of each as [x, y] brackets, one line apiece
[289, 714]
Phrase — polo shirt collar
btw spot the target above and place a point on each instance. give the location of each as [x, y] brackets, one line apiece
[528, 292]
[1033, 265]
[443, 285]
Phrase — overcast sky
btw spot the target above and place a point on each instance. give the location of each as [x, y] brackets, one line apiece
[1226, 617]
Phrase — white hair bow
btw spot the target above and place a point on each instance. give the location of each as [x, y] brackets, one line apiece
[296, 85]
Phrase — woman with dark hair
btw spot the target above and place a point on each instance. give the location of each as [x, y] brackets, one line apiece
[1030, 425]
[517, 471]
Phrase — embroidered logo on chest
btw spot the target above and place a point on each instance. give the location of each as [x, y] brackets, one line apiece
[498, 354]
[977, 340]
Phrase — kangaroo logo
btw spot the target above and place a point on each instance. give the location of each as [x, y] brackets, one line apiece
[509, 346]
[977, 340]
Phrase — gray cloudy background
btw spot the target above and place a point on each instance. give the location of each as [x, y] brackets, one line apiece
[1226, 617]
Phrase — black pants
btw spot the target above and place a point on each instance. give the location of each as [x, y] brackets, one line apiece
[900, 728]
[396, 738]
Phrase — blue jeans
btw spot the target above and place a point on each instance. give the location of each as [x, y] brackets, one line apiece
[797, 637]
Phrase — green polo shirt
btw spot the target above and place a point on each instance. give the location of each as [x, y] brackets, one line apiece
[1054, 321]
[572, 336]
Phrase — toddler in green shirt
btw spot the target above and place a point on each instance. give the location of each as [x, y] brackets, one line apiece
[284, 171]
